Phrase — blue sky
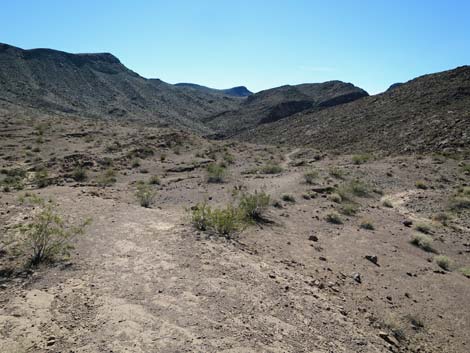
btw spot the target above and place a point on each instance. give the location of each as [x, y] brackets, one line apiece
[257, 43]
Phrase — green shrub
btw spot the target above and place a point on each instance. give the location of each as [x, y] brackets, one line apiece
[79, 174]
[13, 179]
[41, 178]
[442, 218]
[145, 194]
[224, 222]
[227, 221]
[423, 241]
[310, 176]
[47, 236]
[229, 158]
[420, 184]
[201, 216]
[423, 228]
[271, 169]
[107, 178]
[337, 173]
[348, 209]
[215, 173]
[353, 188]
[154, 180]
[458, 203]
[366, 224]
[443, 262]
[135, 163]
[465, 271]
[334, 218]
[288, 198]
[252, 206]
[335, 197]
[360, 158]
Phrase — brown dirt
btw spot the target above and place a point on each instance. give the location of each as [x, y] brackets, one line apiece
[143, 280]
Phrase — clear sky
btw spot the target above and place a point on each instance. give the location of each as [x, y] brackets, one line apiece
[256, 43]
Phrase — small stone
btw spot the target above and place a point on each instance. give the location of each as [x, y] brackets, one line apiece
[372, 258]
[407, 223]
[313, 238]
[357, 277]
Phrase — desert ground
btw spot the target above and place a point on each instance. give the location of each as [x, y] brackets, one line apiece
[354, 253]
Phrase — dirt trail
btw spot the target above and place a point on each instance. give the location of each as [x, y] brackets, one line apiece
[288, 159]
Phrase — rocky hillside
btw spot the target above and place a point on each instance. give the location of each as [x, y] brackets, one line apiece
[429, 113]
[278, 103]
[99, 85]
[239, 91]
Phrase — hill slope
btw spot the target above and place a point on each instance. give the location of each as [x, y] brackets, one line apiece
[239, 91]
[429, 113]
[99, 85]
[278, 103]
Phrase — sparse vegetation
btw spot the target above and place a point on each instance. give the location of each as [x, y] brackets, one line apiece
[395, 326]
[348, 209]
[79, 174]
[155, 180]
[41, 178]
[368, 225]
[254, 205]
[465, 271]
[271, 169]
[360, 158]
[225, 222]
[387, 203]
[288, 198]
[145, 194]
[423, 228]
[337, 173]
[310, 176]
[423, 241]
[334, 218]
[420, 184]
[353, 188]
[443, 262]
[107, 177]
[215, 173]
[335, 197]
[47, 236]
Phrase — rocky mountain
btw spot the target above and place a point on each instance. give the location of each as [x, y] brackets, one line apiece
[99, 85]
[239, 91]
[429, 113]
[278, 103]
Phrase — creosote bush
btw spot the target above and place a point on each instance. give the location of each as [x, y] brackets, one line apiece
[443, 262]
[154, 180]
[47, 236]
[229, 220]
[145, 194]
[423, 241]
[254, 205]
[215, 173]
[288, 198]
[271, 169]
[310, 176]
[420, 184]
[360, 158]
[41, 178]
[224, 222]
[107, 178]
[368, 225]
[334, 218]
[79, 174]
